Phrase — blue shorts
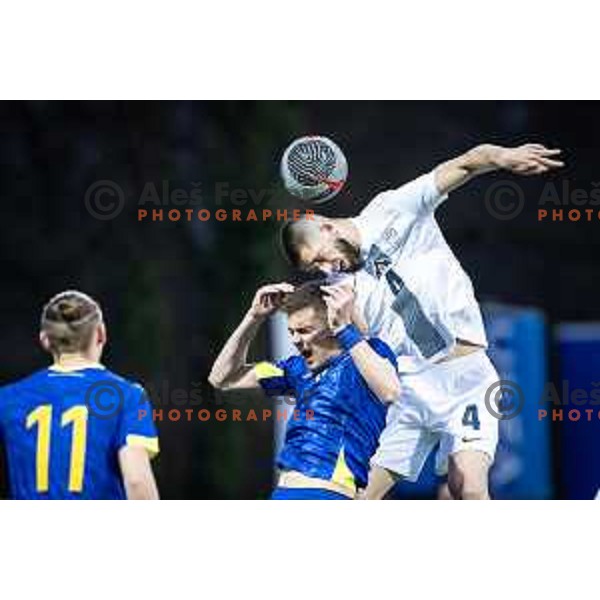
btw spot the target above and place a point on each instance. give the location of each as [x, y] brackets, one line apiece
[285, 493]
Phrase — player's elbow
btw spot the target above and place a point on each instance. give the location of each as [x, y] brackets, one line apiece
[217, 380]
[224, 381]
[389, 393]
[389, 396]
[140, 491]
[220, 383]
[141, 488]
[138, 478]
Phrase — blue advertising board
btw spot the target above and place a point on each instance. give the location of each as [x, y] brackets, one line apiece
[579, 424]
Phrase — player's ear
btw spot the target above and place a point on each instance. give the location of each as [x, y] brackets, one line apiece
[101, 335]
[44, 341]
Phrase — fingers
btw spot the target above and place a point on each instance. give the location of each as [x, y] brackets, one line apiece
[267, 301]
[339, 302]
[541, 165]
[340, 289]
[552, 152]
[276, 289]
[536, 159]
[270, 297]
[542, 150]
[332, 295]
[272, 288]
[547, 162]
[337, 296]
[332, 310]
[333, 299]
[329, 302]
[531, 168]
[271, 302]
[330, 291]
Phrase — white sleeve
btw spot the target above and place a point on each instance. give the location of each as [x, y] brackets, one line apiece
[417, 197]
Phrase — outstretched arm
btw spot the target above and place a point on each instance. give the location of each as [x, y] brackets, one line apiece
[231, 371]
[529, 159]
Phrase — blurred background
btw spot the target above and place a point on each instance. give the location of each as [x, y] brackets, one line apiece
[173, 291]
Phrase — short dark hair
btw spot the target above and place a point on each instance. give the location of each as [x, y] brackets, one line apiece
[308, 294]
[292, 236]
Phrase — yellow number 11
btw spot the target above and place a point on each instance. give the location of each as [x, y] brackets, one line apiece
[42, 417]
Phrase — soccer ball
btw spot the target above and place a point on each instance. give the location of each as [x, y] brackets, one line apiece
[313, 168]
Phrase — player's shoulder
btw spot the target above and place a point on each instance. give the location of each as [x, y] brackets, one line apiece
[128, 392]
[26, 382]
[293, 365]
[377, 203]
[294, 369]
[406, 197]
[12, 392]
[127, 383]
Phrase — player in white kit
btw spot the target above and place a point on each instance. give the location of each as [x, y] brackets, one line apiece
[412, 292]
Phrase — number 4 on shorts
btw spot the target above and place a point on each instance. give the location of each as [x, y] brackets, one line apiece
[471, 417]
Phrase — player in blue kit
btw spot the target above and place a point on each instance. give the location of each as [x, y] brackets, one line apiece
[75, 430]
[341, 383]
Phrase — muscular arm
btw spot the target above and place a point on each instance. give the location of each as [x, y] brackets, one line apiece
[231, 370]
[529, 159]
[378, 372]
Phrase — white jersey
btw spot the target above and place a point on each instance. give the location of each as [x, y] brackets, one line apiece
[412, 290]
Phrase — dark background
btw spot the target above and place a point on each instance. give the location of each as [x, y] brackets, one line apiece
[172, 291]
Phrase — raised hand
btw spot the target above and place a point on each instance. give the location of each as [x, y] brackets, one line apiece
[339, 299]
[529, 159]
[269, 298]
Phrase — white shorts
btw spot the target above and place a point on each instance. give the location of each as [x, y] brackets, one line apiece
[444, 403]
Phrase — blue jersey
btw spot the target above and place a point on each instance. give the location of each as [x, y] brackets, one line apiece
[62, 431]
[339, 419]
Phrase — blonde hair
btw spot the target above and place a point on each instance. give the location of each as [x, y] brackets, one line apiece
[69, 320]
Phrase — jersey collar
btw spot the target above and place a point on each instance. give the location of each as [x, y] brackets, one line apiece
[78, 367]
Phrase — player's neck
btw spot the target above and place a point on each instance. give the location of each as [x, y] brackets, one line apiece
[72, 362]
[327, 358]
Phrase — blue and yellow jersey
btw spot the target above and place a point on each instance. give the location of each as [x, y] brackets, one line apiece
[336, 439]
[62, 431]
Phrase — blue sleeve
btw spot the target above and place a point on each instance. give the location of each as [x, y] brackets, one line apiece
[383, 350]
[274, 377]
[137, 426]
